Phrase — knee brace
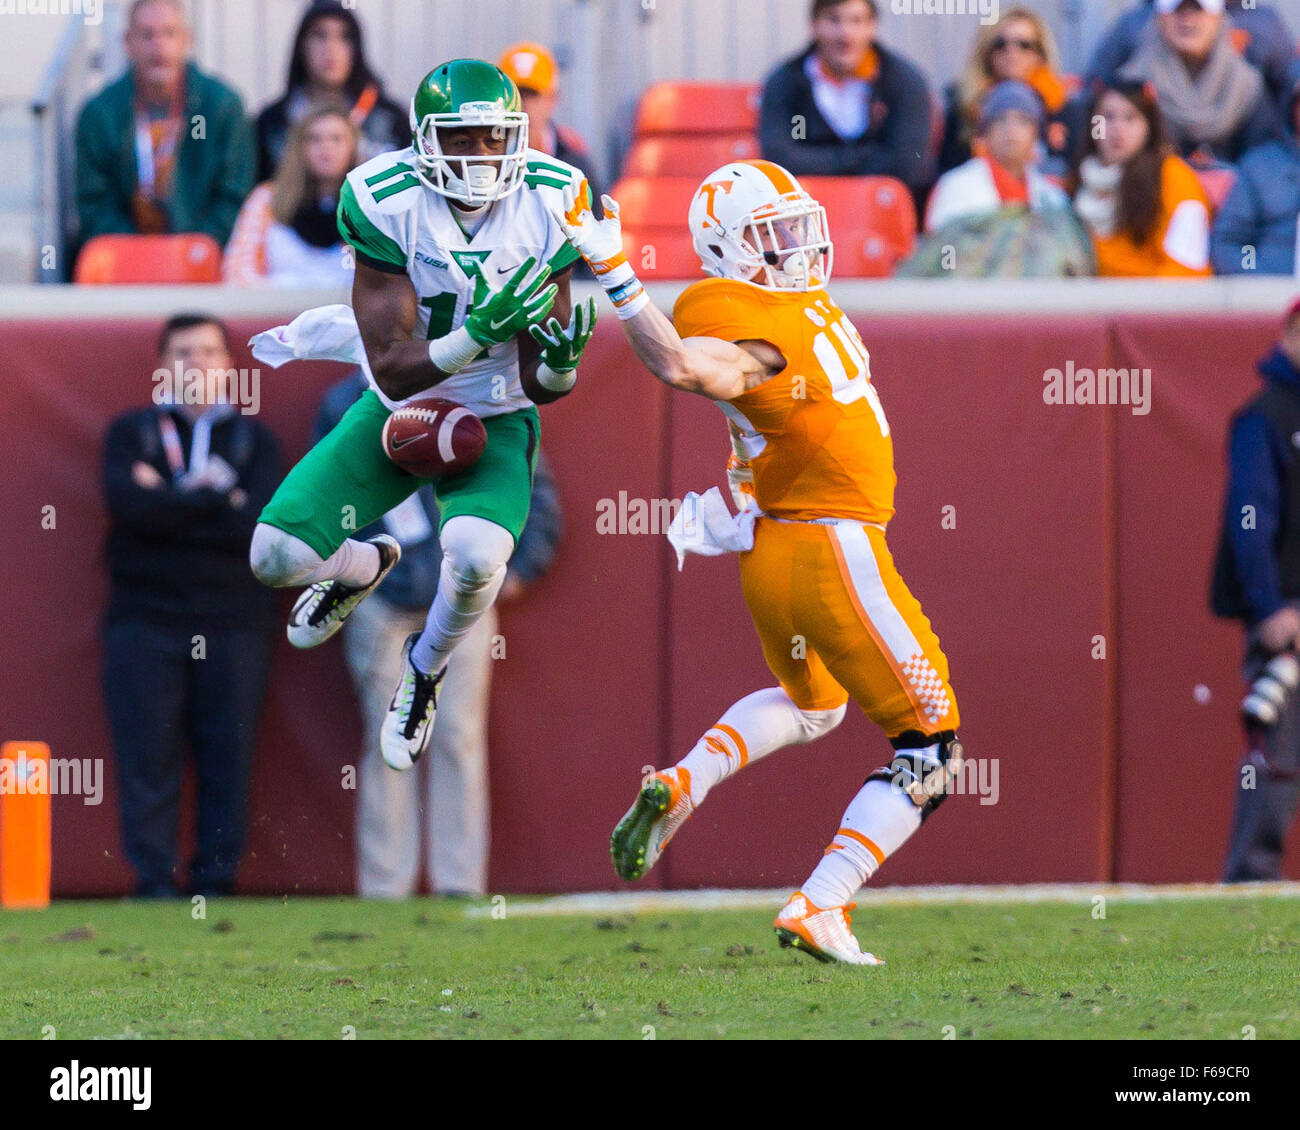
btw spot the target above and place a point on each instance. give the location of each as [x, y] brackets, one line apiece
[924, 766]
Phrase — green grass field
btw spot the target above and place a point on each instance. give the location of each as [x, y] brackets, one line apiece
[328, 968]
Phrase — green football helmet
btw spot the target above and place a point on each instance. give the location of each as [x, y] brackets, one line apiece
[469, 92]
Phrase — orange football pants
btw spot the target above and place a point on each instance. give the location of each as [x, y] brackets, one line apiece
[836, 622]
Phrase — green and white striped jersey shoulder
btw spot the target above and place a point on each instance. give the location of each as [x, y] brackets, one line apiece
[396, 223]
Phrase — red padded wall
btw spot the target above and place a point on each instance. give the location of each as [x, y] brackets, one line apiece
[1072, 522]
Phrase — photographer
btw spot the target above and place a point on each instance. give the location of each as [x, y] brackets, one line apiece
[1257, 580]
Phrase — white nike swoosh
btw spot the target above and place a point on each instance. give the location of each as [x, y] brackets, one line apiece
[498, 325]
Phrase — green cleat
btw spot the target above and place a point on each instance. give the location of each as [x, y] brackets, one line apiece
[643, 833]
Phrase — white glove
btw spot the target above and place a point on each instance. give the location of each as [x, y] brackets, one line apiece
[600, 242]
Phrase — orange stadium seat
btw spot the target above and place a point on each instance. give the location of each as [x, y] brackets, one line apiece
[872, 222]
[655, 237]
[1217, 183]
[188, 258]
[691, 155]
[698, 107]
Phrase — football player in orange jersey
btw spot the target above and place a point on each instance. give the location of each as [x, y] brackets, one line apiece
[812, 468]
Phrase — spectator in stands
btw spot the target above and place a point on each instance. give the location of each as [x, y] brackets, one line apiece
[1256, 30]
[1257, 581]
[1011, 118]
[165, 148]
[1257, 227]
[534, 71]
[187, 638]
[998, 215]
[1215, 104]
[1143, 205]
[329, 65]
[848, 106]
[1019, 47]
[454, 797]
[287, 231]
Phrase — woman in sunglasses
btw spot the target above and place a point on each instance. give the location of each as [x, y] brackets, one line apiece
[1019, 48]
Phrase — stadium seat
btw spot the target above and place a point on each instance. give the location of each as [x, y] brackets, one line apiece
[158, 259]
[690, 155]
[698, 107]
[872, 221]
[655, 202]
[1217, 183]
[655, 237]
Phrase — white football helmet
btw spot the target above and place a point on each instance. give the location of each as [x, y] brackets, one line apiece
[752, 221]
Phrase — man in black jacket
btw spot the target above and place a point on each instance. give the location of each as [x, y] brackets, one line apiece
[187, 637]
[1257, 581]
[846, 106]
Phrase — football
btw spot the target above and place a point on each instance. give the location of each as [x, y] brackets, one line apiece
[429, 437]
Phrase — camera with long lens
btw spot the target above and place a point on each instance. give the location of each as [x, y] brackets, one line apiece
[1271, 690]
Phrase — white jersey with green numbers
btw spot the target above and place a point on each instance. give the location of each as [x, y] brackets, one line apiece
[395, 223]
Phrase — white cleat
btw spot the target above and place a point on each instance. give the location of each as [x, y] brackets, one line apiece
[826, 934]
[408, 725]
[321, 609]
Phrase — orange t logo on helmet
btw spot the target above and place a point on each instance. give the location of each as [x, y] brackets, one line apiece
[712, 188]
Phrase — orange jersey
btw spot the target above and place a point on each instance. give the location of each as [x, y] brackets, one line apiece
[814, 434]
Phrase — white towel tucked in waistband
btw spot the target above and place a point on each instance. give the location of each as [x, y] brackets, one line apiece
[704, 525]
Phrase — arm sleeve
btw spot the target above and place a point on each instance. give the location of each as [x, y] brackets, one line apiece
[100, 208]
[1254, 480]
[373, 247]
[535, 552]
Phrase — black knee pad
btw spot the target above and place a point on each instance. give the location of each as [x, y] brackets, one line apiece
[923, 778]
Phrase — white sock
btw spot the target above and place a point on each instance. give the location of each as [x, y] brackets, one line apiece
[474, 556]
[281, 560]
[355, 563]
[875, 825]
[757, 725]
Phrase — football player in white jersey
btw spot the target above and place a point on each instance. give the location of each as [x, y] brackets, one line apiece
[461, 290]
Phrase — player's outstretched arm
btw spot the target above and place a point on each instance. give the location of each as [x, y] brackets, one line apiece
[385, 306]
[705, 365]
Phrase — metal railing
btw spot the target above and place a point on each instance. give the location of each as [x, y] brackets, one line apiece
[83, 54]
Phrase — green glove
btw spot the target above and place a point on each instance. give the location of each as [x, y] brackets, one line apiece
[513, 308]
[562, 346]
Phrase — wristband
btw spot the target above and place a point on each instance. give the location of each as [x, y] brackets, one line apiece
[452, 352]
[554, 381]
[629, 298]
[622, 286]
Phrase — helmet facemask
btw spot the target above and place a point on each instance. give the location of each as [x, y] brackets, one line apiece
[787, 246]
[472, 179]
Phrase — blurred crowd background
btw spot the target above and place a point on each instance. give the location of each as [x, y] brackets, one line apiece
[1055, 137]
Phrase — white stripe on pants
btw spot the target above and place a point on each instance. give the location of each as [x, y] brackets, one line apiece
[453, 773]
